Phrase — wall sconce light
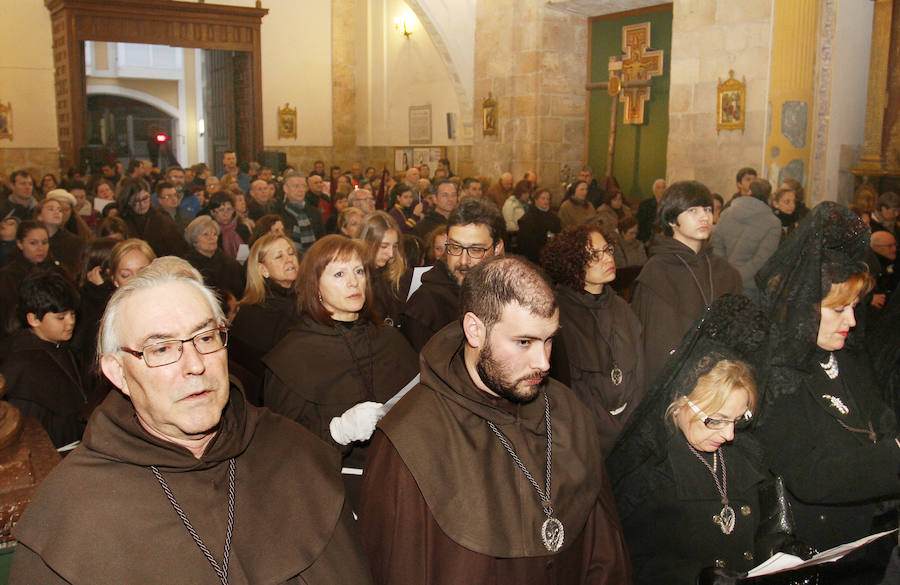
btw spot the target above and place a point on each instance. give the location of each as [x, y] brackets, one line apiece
[400, 26]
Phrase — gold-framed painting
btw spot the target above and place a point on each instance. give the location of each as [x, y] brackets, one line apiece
[6, 120]
[489, 115]
[287, 121]
[731, 103]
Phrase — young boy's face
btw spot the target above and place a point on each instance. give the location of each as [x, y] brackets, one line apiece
[53, 327]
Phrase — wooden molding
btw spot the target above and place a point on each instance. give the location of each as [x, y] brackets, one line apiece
[161, 22]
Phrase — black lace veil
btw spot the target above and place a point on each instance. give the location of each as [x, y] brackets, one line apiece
[732, 328]
[829, 245]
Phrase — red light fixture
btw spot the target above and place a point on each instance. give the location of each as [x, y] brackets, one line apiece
[161, 138]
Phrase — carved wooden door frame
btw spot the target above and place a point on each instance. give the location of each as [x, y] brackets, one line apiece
[164, 22]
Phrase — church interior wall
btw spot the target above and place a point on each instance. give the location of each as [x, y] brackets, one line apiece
[710, 38]
[26, 82]
[536, 71]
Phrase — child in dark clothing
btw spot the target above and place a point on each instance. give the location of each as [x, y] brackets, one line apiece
[42, 375]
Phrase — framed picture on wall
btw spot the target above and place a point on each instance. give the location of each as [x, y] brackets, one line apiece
[489, 115]
[6, 120]
[731, 104]
[403, 158]
[287, 122]
[420, 124]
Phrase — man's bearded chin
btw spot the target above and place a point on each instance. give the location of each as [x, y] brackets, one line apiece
[492, 375]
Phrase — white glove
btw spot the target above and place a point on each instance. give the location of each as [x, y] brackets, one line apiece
[357, 423]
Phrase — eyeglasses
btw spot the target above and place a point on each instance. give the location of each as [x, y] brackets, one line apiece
[610, 250]
[716, 424]
[168, 352]
[474, 252]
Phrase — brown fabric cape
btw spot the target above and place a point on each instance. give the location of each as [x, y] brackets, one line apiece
[594, 334]
[667, 299]
[101, 516]
[432, 306]
[316, 374]
[476, 493]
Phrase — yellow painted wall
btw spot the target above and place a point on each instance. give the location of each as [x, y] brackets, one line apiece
[26, 74]
[792, 79]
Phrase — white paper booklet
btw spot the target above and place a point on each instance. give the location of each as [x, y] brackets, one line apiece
[785, 562]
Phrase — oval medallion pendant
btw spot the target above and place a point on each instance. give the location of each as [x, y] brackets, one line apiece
[725, 519]
[553, 534]
[615, 375]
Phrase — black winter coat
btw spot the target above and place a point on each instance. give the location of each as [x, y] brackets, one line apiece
[536, 227]
[669, 528]
[43, 380]
[834, 443]
[434, 305]
[256, 330]
[220, 271]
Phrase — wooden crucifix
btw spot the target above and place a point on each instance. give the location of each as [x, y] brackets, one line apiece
[630, 76]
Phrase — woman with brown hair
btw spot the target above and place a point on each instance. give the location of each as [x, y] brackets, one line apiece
[334, 371]
[435, 244]
[613, 210]
[387, 266]
[575, 208]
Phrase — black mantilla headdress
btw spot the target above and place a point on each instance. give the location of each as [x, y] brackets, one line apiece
[829, 245]
[732, 328]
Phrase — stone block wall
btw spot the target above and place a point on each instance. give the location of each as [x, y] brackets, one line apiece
[532, 59]
[38, 161]
[709, 38]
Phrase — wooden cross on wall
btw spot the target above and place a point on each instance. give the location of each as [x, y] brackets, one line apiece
[640, 63]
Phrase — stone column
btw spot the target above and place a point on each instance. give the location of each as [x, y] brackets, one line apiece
[791, 89]
[872, 158]
[531, 58]
[343, 17]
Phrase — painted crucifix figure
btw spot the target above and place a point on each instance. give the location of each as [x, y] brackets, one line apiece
[640, 63]
[630, 76]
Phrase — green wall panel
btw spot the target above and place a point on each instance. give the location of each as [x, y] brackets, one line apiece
[640, 149]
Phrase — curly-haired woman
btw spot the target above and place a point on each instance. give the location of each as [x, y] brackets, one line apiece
[598, 352]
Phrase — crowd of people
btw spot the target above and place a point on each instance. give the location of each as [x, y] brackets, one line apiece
[414, 378]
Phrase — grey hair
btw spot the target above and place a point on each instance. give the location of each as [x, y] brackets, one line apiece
[197, 226]
[160, 271]
[351, 198]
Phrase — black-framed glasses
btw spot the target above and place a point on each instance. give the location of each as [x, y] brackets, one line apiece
[474, 252]
[716, 424]
[163, 353]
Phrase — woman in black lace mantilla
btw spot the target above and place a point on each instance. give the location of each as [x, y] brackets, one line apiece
[823, 423]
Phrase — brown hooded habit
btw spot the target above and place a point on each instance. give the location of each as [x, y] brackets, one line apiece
[102, 517]
[444, 503]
